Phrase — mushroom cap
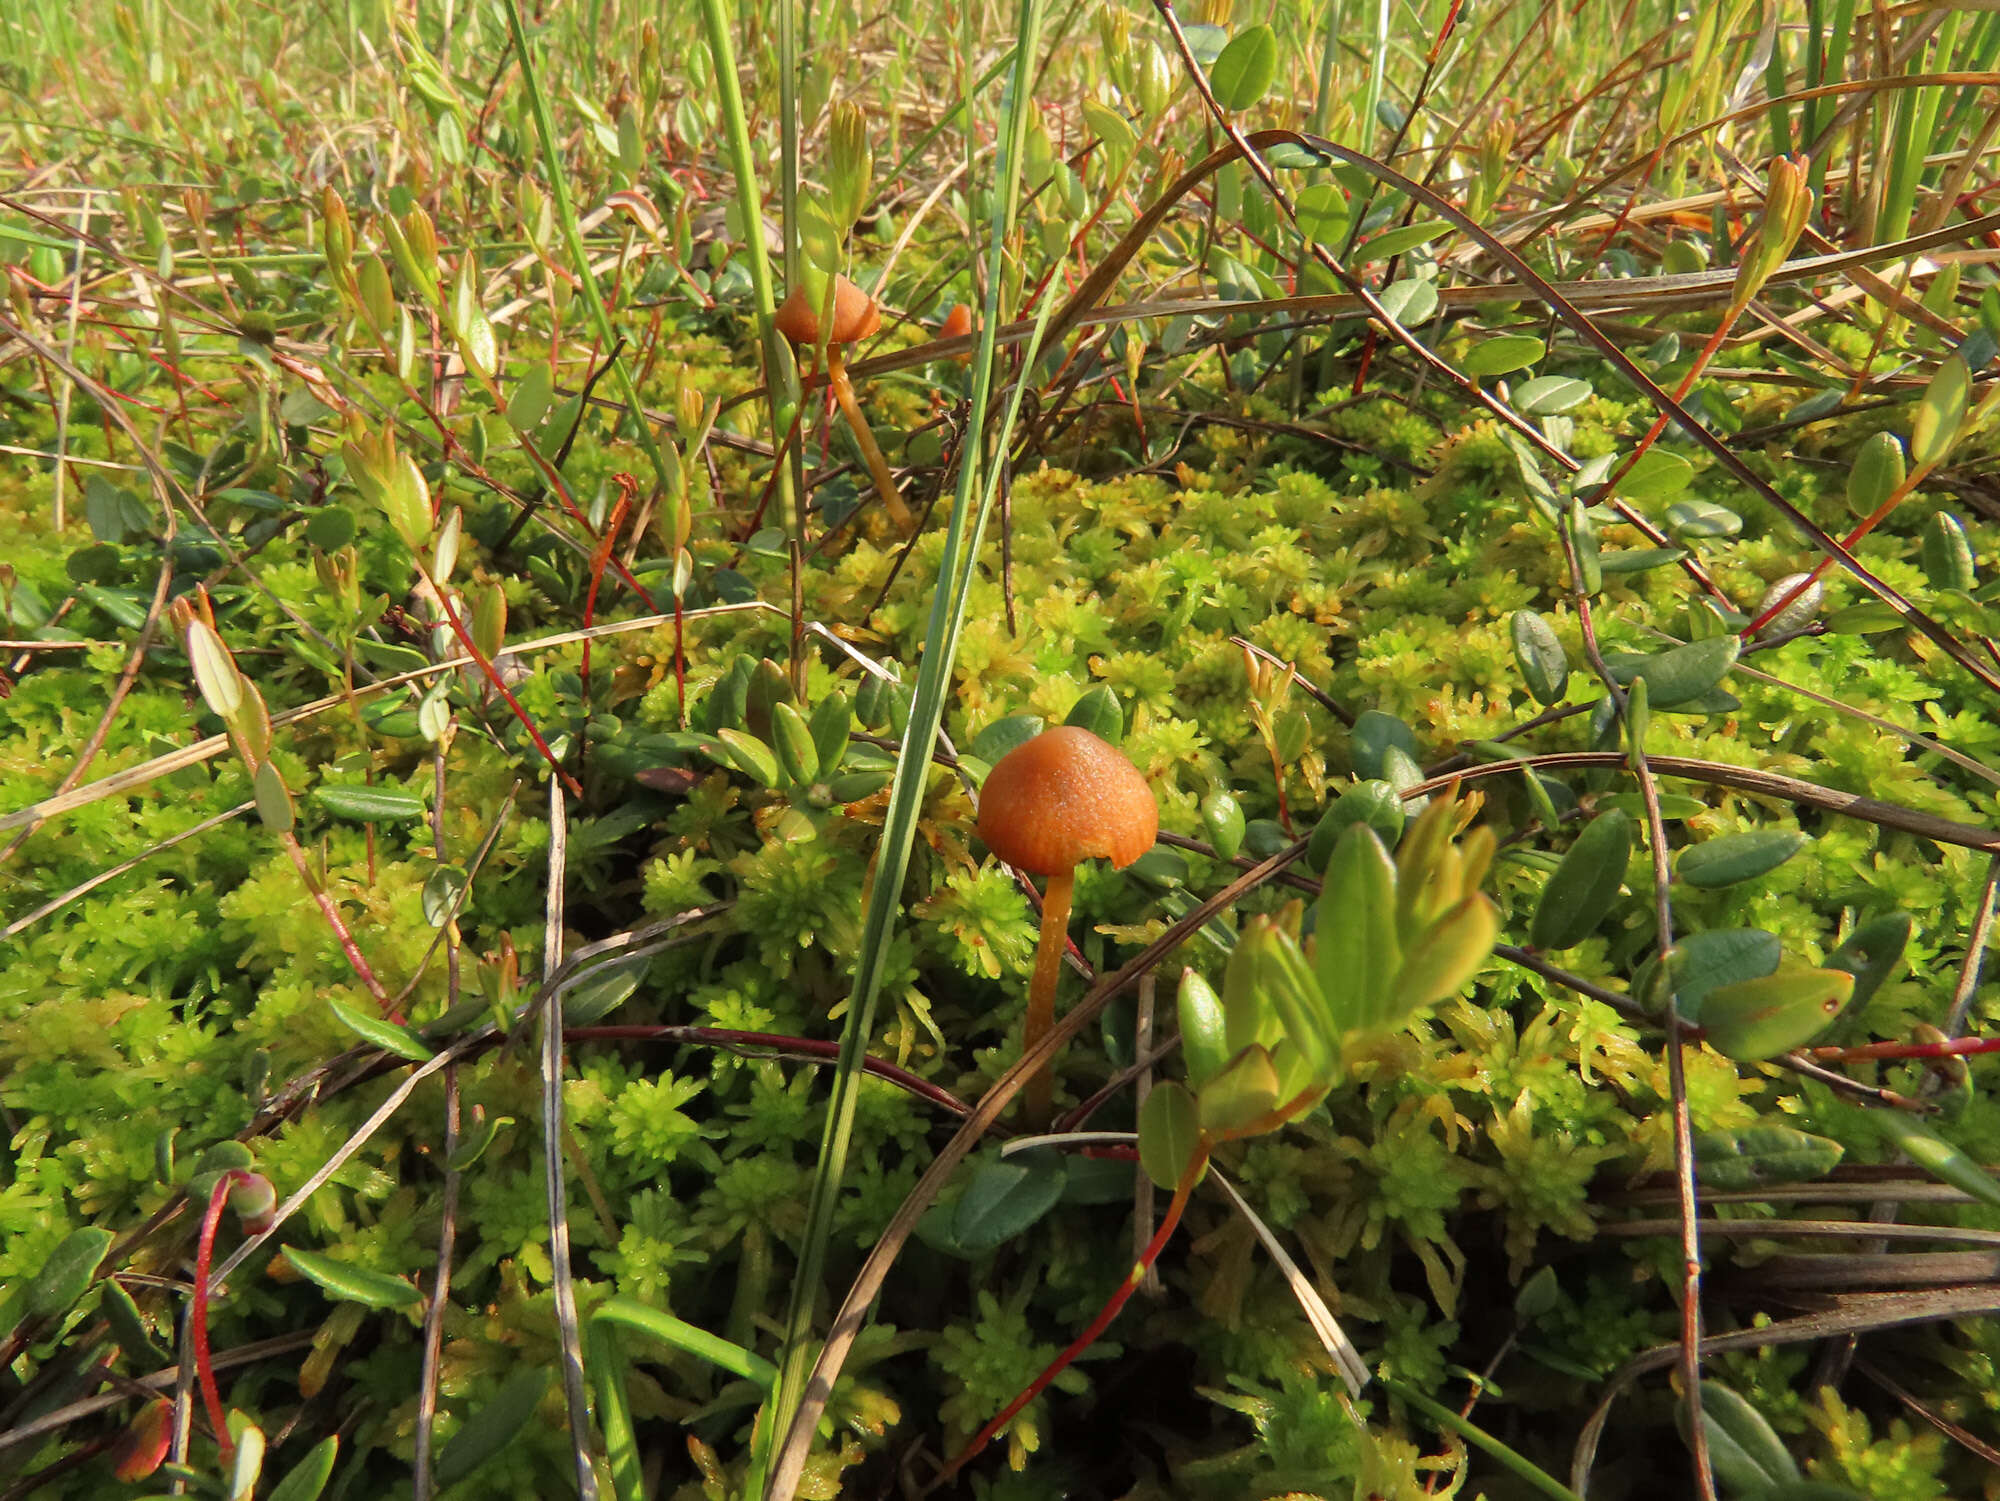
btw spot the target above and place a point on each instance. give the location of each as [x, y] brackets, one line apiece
[1066, 796]
[856, 315]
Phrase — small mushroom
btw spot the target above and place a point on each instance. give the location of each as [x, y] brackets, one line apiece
[856, 315]
[1060, 798]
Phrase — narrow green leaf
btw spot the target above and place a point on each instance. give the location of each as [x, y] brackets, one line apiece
[1399, 241]
[1702, 519]
[353, 1284]
[1004, 735]
[797, 758]
[496, 1425]
[1222, 820]
[1357, 953]
[1410, 300]
[605, 1360]
[1681, 673]
[274, 799]
[750, 756]
[385, 1035]
[1940, 413]
[1322, 212]
[63, 1278]
[628, 1313]
[309, 1477]
[1730, 858]
[1369, 740]
[1585, 886]
[214, 672]
[1759, 1155]
[832, 722]
[1445, 957]
[1936, 1156]
[530, 402]
[1721, 956]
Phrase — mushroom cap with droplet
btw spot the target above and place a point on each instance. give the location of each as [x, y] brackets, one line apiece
[1066, 796]
[856, 315]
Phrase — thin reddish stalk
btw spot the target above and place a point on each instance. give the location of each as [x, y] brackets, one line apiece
[204, 1254]
[493, 676]
[348, 946]
[1112, 1306]
[1956, 1047]
[601, 555]
[1868, 524]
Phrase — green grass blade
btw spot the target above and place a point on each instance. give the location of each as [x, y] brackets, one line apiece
[1515, 1462]
[913, 764]
[565, 206]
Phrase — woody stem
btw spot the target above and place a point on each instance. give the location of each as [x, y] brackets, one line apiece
[1038, 1095]
[885, 484]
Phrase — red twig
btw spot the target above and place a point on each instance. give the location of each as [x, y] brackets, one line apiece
[1956, 1047]
[204, 1254]
[627, 488]
[1098, 1325]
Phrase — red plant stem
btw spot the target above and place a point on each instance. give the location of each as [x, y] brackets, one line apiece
[1957, 1047]
[598, 558]
[348, 946]
[493, 676]
[1112, 1306]
[204, 1254]
[1868, 524]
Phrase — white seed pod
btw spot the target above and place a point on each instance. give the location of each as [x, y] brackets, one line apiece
[1799, 613]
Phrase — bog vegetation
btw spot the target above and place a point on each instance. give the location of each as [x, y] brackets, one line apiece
[502, 990]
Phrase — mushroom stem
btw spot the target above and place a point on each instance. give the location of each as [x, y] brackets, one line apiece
[1038, 1095]
[885, 484]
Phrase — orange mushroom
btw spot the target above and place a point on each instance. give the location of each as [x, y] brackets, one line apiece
[956, 325]
[856, 315]
[1060, 798]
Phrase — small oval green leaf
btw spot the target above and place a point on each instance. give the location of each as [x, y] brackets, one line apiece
[1657, 475]
[1540, 656]
[1730, 858]
[1879, 471]
[1549, 394]
[1098, 711]
[1005, 1197]
[1169, 1133]
[1242, 74]
[1947, 553]
[1501, 353]
[1394, 242]
[1940, 413]
[1204, 1040]
[1755, 1019]
[359, 804]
